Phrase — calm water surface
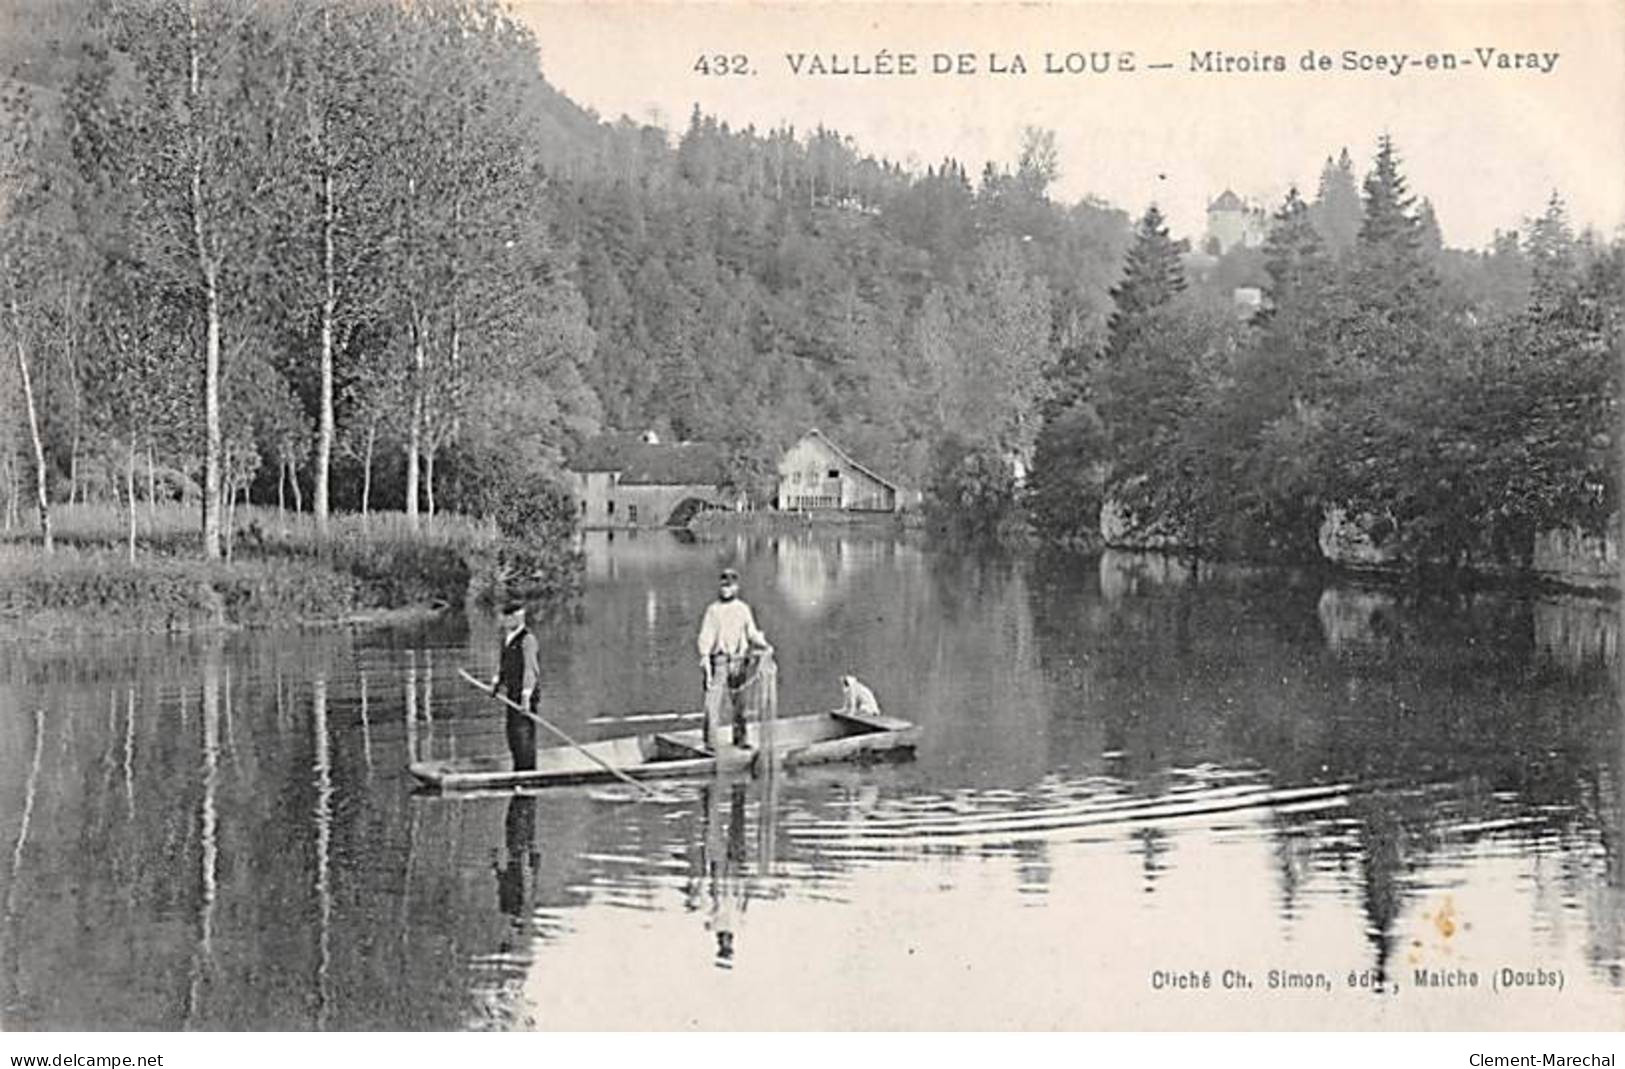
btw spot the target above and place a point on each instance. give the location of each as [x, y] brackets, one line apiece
[1130, 776]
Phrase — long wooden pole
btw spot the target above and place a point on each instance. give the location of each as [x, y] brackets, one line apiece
[522, 711]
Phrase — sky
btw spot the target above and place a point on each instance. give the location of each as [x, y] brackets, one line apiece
[1487, 144]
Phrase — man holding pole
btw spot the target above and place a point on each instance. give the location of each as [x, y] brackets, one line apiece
[729, 640]
[517, 678]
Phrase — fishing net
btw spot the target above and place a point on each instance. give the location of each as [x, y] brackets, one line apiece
[754, 699]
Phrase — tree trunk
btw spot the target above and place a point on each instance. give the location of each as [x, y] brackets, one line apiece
[324, 439]
[414, 434]
[73, 469]
[230, 512]
[281, 491]
[11, 488]
[211, 426]
[42, 500]
[366, 467]
[152, 486]
[129, 493]
[208, 267]
[428, 478]
[293, 479]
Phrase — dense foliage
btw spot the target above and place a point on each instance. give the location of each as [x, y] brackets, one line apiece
[1457, 407]
[349, 256]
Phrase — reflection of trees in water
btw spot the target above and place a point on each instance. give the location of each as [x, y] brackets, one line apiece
[1294, 851]
[1460, 714]
[1390, 845]
[965, 584]
[1606, 943]
[1401, 697]
[225, 783]
[14, 874]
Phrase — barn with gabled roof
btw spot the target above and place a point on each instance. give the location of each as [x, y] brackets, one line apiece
[816, 475]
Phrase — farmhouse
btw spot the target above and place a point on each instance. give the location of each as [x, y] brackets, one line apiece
[635, 480]
[816, 475]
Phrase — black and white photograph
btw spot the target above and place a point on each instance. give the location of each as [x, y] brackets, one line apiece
[847, 517]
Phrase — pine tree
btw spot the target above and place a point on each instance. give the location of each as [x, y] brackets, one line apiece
[1428, 232]
[1551, 253]
[1152, 276]
[1393, 288]
[1336, 211]
[1071, 450]
[1388, 218]
[1294, 254]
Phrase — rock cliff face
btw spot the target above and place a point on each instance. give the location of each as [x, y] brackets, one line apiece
[1364, 542]
[1563, 555]
[1569, 555]
[1355, 541]
[1121, 529]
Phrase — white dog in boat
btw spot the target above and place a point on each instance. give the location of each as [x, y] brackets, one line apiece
[857, 699]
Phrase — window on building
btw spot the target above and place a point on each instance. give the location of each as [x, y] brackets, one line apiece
[631, 514]
[609, 508]
[834, 473]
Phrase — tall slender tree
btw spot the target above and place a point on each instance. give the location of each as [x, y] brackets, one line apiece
[1336, 211]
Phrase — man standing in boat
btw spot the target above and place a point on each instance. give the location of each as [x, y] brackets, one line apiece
[517, 679]
[729, 644]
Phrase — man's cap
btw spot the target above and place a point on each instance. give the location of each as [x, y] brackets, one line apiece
[510, 607]
[729, 574]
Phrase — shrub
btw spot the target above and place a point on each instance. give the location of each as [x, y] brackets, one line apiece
[282, 570]
[972, 492]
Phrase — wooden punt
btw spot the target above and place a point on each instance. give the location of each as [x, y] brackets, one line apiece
[816, 738]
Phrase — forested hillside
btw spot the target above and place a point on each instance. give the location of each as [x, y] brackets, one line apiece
[350, 256]
[466, 263]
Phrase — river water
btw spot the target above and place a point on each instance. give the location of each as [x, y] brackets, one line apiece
[1132, 778]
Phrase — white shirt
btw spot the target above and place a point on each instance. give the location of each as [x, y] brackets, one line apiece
[728, 627]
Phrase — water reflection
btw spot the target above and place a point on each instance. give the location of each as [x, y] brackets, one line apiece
[208, 822]
[722, 863]
[1127, 763]
[520, 860]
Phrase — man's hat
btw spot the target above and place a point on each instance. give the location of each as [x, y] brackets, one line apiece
[511, 607]
[729, 574]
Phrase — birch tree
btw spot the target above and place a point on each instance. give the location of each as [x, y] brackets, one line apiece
[42, 271]
[189, 129]
[334, 194]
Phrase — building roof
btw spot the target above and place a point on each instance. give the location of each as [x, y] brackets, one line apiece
[1227, 202]
[643, 463]
[838, 451]
[607, 452]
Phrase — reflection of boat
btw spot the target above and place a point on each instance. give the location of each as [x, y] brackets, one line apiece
[816, 738]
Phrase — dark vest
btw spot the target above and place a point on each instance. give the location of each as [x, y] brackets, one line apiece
[513, 668]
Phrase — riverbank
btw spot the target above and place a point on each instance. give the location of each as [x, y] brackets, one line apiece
[280, 572]
[772, 521]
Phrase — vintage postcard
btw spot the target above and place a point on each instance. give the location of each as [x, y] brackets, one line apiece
[811, 516]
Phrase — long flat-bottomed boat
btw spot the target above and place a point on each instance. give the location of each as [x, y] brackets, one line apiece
[815, 738]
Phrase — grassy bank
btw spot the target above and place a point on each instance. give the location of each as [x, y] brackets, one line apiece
[771, 521]
[280, 571]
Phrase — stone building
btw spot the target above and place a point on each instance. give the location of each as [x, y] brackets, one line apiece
[1231, 221]
[635, 480]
